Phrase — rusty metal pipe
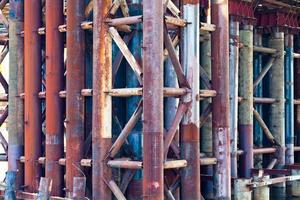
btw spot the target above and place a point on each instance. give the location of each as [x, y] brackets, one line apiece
[153, 184]
[33, 114]
[75, 83]
[220, 105]
[102, 102]
[54, 84]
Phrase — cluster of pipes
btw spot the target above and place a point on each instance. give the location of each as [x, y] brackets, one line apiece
[150, 100]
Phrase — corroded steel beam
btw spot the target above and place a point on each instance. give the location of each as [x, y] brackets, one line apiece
[220, 110]
[153, 184]
[102, 102]
[190, 136]
[33, 113]
[75, 83]
[54, 104]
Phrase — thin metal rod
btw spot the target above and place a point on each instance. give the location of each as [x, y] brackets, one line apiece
[234, 77]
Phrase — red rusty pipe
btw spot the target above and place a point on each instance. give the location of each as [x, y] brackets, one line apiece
[74, 100]
[54, 84]
[153, 184]
[220, 104]
[32, 115]
[102, 105]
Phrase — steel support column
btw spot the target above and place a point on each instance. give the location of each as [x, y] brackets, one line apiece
[32, 114]
[190, 135]
[277, 110]
[102, 102]
[246, 105]
[289, 98]
[54, 84]
[74, 84]
[153, 184]
[234, 77]
[220, 83]
[292, 187]
[16, 87]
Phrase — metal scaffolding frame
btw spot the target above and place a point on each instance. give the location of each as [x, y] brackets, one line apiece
[173, 99]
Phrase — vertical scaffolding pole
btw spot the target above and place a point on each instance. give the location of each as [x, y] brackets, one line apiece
[190, 136]
[32, 114]
[297, 96]
[16, 87]
[246, 106]
[54, 84]
[258, 92]
[75, 83]
[234, 77]
[220, 106]
[102, 102]
[292, 187]
[289, 96]
[277, 111]
[153, 183]
[297, 107]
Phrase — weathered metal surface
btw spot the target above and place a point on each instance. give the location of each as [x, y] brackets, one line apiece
[74, 84]
[263, 192]
[32, 112]
[277, 110]
[190, 136]
[153, 184]
[79, 188]
[234, 77]
[44, 189]
[54, 104]
[246, 106]
[10, 182]
[241, 190]
[16, 82]
[220, 110]
[102, 103]
[292, 187]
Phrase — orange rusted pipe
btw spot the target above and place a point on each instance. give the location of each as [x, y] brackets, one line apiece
[32, 115]
[54, 104]
[102, 110]
[75, 83]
